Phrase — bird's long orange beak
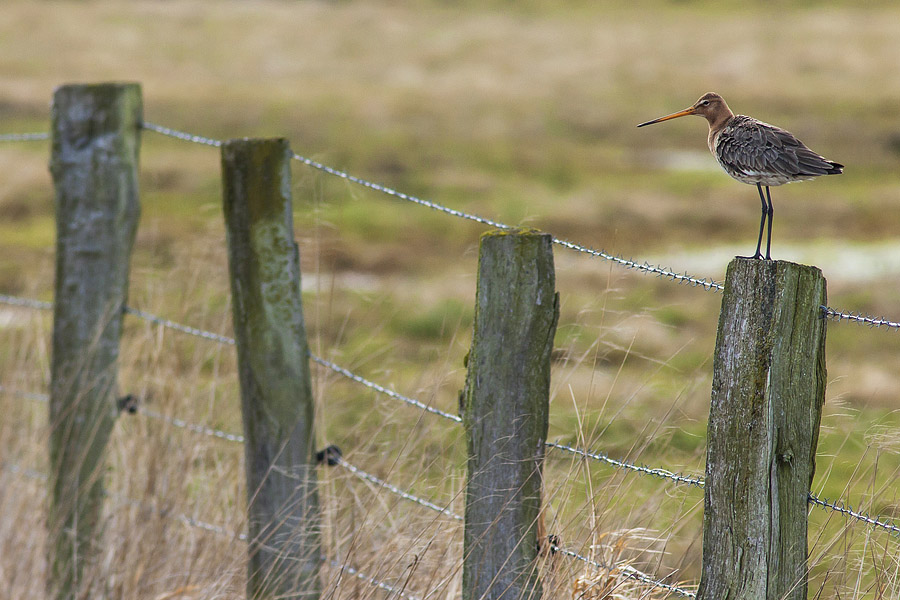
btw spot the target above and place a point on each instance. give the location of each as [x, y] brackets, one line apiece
[681, 113]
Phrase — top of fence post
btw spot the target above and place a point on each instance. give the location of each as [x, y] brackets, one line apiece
[506, 414]
[767, 395]
[273, 365]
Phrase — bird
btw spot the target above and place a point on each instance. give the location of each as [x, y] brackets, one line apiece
[755, 152]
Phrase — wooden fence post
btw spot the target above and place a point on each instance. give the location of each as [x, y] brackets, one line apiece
[94, 163]
[505, 413]
[273, 362]
[767, 396]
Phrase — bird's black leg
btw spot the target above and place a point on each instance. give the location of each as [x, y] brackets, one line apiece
[762, 223]
[770, 212]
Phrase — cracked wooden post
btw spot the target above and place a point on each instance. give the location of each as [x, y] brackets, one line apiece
[767, 396]
[94, 163]
[273, 364]
[505, 413]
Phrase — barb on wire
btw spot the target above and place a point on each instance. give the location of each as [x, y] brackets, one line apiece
[629, 572]
[24, 137]
[397, 491]
[859, 318]
[621, 464]
[848, 511]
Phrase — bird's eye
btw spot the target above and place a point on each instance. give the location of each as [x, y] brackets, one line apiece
[705, 103]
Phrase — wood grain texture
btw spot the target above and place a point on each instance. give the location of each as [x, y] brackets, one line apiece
[767, 396]
[94, 164]
[505, 413]
[273, 364]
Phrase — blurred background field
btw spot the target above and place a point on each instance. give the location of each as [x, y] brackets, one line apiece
[524, 113]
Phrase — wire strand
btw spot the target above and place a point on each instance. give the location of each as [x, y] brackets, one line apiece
[621, 464]
[24, 137]
[629, 572]
[859, 318]
[706, 284]
[397, 491]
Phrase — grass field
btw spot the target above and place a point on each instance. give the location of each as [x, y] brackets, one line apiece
[521, 113]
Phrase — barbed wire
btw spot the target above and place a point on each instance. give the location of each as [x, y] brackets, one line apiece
[383, 390]
[182, 135]
[24, 137]
[844, 510]
[706, 284]
[656, 472]
[856, 317]
[397, 491]
[847, 511]
[222, 339]
[622, 464]
[627, 571]
[192, 427]
[208, 527]
[372, 581]
[239, 439]
[25, 302]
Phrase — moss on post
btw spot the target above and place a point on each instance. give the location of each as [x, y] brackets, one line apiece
[273, 364]
[767, 397]
[505, 413]
[94, 164]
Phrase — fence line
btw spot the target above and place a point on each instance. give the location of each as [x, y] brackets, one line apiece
[664, 272]
[880, 522]
[621, 464]
[823, 503]
[397, 491]
[709, 285]
[645, 267]
[210, 528]
[600, 457]
[627, 571]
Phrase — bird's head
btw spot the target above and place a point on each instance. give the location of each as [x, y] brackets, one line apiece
[711, 106]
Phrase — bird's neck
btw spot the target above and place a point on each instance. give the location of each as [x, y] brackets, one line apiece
[715, 128]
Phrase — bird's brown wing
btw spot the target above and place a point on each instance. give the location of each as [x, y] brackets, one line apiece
[749, 146]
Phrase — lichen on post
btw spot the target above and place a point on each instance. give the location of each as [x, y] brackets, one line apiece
[767, 396]
[505, 413]
[273, 365]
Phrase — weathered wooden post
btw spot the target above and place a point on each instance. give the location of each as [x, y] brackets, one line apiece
[505, 413]
[273, 363]
[767, 396]
[94, 163]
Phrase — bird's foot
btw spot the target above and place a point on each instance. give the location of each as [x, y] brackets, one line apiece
[757, 256]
